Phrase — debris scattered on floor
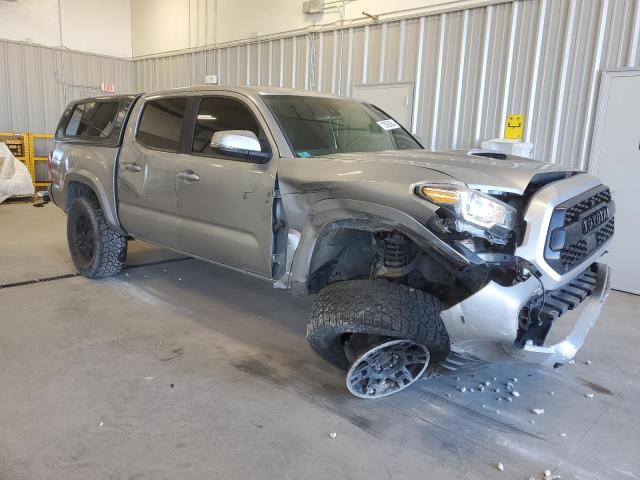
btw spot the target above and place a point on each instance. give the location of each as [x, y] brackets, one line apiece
[588, 363]
[572, 361]
[487, 383]
[552, 393]
[172, 385]
[588, 395]
[179, 279]
[101, 424]
[501, 467]
[532, 422]
[462, 389]
[149, 378]
[563, 434]
[515, 393]
[537, 411]
[514, 379]
[333, 435]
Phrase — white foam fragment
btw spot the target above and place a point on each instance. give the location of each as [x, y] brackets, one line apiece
[537, 411]
[501, 467]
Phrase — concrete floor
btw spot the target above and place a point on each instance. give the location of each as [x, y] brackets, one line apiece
[182, 370]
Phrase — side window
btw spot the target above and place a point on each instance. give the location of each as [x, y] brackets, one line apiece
[92, 119]
[161, 123]
[219, 113]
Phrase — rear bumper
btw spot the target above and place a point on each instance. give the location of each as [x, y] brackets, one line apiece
[486, 324]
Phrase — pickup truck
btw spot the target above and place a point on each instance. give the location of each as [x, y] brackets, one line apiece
[416, 257]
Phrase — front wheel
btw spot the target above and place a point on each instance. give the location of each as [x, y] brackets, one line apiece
[96, 249]
[375, 326]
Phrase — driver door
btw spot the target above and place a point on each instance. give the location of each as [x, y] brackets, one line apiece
[225, 202]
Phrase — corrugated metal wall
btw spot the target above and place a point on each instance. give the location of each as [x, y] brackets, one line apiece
[37, 82]
[470, 68]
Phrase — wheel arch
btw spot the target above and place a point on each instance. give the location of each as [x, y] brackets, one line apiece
[80, 183]
[333, 214]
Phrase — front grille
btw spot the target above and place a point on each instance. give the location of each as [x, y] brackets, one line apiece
[606, 232]
[573, 254]
[574, 232]
[574, 212]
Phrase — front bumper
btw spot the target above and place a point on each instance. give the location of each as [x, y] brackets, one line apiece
[486, 324]
[553, 352]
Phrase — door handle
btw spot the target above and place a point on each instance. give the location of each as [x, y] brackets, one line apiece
[189, 176]
[132, 167]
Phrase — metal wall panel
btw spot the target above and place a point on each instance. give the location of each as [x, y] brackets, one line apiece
[36, 83]
[469, 68]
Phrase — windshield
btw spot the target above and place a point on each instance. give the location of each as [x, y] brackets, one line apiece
[322, 125]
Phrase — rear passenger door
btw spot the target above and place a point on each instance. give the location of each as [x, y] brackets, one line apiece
[147, 170]
[225, 202]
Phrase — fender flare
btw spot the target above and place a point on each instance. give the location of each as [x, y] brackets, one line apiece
[89, 179]
[325, 213]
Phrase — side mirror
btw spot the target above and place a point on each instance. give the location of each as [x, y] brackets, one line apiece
[239, 143]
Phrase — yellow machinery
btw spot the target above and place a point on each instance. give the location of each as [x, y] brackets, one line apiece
[32, 150]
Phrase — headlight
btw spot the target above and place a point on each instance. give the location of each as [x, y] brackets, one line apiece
[473, 208]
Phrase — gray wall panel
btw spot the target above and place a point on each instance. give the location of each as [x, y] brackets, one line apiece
[469, 68]
[36, 83]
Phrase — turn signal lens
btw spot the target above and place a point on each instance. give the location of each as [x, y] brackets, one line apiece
[440, 196]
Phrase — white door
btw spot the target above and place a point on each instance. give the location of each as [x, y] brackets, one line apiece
[616, 161]
[395, 99]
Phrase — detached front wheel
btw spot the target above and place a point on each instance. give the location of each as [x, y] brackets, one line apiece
[385, 333]
[96, 249]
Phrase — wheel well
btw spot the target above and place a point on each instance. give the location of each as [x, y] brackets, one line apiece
[353, 249]
[76, 189]
[343, 251]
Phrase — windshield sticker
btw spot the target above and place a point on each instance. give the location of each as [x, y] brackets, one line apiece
[304, 154]
[388, 124]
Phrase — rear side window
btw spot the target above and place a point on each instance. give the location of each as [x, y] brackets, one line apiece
[161, 124]
[93, 119]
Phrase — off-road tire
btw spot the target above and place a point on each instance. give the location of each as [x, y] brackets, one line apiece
[96, 249]
[378, 307]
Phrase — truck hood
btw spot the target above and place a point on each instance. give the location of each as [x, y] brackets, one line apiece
[510, 175]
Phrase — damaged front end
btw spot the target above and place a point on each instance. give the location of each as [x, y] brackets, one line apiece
[538, 289]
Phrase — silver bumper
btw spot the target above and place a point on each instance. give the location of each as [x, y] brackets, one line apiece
[486, 324]
[565, 349]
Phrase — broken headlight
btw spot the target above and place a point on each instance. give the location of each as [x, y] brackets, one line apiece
[474, 212]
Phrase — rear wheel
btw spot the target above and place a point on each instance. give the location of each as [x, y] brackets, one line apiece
[380, 331]
[96, 249]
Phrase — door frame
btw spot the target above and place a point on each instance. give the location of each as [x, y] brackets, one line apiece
[598, 128]
[601, 112]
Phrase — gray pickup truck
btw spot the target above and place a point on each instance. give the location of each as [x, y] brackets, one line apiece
[416, 257]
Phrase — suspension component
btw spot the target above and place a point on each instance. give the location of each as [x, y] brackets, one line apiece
[398, 256]
[395, 251]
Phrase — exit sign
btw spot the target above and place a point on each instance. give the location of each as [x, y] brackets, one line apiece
[107, 87]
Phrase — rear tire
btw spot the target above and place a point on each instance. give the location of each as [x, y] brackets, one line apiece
[96, 249]
[377, 308]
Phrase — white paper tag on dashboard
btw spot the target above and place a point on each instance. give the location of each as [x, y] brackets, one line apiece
[388, 124]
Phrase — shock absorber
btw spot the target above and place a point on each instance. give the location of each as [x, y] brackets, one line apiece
[395, 251]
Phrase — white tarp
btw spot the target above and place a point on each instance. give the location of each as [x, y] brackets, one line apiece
[14, 176]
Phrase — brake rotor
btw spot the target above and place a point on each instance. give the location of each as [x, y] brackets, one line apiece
[387, 368]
